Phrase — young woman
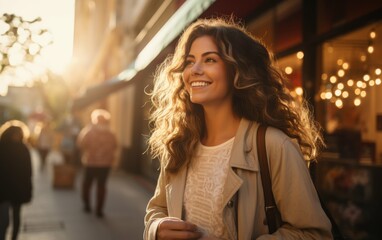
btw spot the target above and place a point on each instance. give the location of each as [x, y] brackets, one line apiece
[208, 101]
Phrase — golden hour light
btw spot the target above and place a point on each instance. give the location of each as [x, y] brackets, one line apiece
[57, 17]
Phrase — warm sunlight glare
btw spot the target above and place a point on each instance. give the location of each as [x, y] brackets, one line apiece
[57, 17]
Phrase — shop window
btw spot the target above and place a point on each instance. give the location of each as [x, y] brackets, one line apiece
[350, 96]
[351, 87]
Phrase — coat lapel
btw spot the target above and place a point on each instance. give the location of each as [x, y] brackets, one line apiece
[243, 144]
[175, 188]
[244, 162]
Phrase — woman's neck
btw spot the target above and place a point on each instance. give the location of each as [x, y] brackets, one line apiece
[220, 127]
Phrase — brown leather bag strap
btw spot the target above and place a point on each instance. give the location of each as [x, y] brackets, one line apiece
[271, 211]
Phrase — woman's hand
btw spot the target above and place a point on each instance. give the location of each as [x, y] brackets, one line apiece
[174, 228]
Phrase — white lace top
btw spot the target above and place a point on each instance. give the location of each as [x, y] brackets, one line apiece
[203, 197]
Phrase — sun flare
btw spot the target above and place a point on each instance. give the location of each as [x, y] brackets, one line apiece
[58, 18]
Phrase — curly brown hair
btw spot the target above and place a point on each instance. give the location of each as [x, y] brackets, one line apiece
[260, 94]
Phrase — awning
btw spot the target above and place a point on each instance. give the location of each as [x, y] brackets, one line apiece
[186, 14]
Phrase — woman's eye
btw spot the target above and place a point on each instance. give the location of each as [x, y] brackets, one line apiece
[188, 62]
[210, 60]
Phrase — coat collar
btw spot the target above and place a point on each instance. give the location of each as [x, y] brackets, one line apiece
[243, 144]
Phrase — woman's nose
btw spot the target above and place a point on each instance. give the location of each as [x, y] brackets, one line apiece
[196, 69]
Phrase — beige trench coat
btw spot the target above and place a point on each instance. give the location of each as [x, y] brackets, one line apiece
[293, 190]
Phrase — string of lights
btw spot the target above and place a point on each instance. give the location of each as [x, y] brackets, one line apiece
[352, 76]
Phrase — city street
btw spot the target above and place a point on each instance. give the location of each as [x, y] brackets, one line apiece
[57, 214]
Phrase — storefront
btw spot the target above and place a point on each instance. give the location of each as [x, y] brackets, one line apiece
[350, 109]
[331, 51]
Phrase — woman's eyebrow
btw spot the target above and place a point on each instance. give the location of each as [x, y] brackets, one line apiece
[203, 54]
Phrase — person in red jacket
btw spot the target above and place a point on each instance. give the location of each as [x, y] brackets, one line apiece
[98, 144]
[15, 175]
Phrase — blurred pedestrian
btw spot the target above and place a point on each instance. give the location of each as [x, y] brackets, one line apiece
[98, 144]
[68, 147]
[15, 175]
[209, 99]
[45, 142]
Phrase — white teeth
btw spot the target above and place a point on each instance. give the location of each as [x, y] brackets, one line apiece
[199, 84]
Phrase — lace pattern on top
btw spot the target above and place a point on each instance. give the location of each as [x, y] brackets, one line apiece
[203, 197]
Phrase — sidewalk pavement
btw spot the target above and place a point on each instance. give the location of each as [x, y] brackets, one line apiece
[57, 214]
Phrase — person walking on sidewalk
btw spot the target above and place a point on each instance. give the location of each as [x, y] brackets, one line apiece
[45, 142]
[208, 101]
[15, 175]
[98, 145]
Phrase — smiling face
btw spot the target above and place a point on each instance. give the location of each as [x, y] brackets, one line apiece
[205, 74]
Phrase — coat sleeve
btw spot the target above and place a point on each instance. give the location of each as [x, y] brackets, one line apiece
[156, 208]
[294, 192]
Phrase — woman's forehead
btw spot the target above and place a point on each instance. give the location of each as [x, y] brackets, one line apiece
[203, 44]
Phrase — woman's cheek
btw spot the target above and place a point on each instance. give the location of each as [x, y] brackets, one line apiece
[185, 81]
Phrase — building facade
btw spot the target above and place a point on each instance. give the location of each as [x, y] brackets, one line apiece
[331, 51]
